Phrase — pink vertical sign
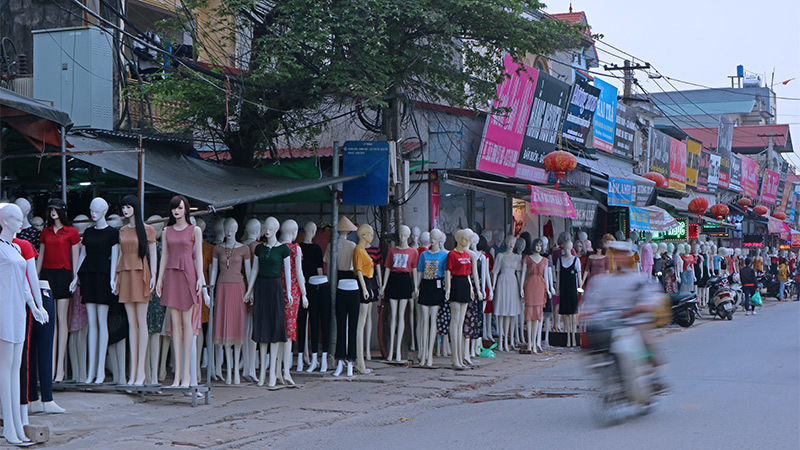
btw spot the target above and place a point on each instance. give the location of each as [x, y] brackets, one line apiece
[749, 179]
[769, 187]
[435, 199]
[502, 137]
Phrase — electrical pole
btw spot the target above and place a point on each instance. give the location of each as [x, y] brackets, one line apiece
[390, 128]
[627, 69]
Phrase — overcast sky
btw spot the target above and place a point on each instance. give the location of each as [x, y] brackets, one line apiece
[702, 41]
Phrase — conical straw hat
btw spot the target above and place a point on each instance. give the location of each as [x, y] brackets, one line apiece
[346, 225]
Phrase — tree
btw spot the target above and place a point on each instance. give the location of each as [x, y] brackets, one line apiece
[309, 59]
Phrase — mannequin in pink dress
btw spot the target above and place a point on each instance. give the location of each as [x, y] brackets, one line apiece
[537, 284]
[180, 283]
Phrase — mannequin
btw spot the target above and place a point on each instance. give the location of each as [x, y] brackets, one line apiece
[473, 316]
[374, 253]
[319, 303]
[646, 254]
[568, 267]
[229, 259]
[348, 300]
[538, 284]
[444, 315]
[365, 274]
[506, 282]
[297, 290]
[180, 283]
[429, 292]
[705, 273]
[517, 335]
[15, 292]
[498, 243]
[155, 316]
[249, 355]
[57, 264]
[28, 232]
[424, 241]
[135, 281]
[596, 264]
[271, 271]
[400, 264]
[687, 273]
[461, 277]
[416, 233]
[78, 321]
[488, 289]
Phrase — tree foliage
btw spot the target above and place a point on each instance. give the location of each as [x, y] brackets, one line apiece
[308, 58]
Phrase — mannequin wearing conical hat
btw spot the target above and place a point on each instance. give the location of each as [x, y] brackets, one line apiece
[347, 298]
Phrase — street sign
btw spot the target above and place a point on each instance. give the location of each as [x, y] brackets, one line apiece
[372, 159]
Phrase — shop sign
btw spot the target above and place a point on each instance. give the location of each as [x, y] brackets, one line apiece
[581, 110]
[505, 127]
[677, 164]
[713, 173]
[749, 177]
[645, 194]
[712, 229]
[795, 240]
[435, 205]
[659, 152]
[545, 120]
[753, 240]
[787, 189]
[694, 230]
[724, 144]
[620, 192]
[677, 233]
[692, 161]
[769, 187]
[702, 172]
[548, 202]
[735, 183]
[784, 246]
[372, 159]
[624, 131]
[605, 116]
[585, 213]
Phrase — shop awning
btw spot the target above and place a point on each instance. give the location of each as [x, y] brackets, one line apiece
[651, 218]
[777, 226]
[680, 205]
[39, 124]
[171, 170]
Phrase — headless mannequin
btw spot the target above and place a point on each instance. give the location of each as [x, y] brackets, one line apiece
[398, 321]
[288, 235]
[18, 291]
[249, 355]
[427, 314]
[365, 235]
[154, 352]
[231, 351]
[504, 322]
[183, 330]
[459, 309]
[315, 280]
[98, 313]
[344, 262]
[535, 326]
[77, 341]
[565, 262]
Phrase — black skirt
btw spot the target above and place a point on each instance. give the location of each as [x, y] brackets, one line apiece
[399, 286]
[59, 280]
[96, 288]
[460, 289]
[269, 320]
[431, 292]
[345, 275]
[372, 288]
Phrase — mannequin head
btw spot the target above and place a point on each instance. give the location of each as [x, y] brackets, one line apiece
[130, 210]
[582, 236]
[473, 245]
[563, 239]
[288, 231]
[425, 239]
[499, 236]
[10, 220]
[525, 239]
[415, 234]
[737, 252]
[310, 230]
[702, 248]
[442, 238]
[98, 209]
[537, 246]
[670, 248]
[437, 237]
[253, 229]
[219, 229]
[178, 210]
[230, 228]
[403, 233]
[464, 238]
[157, 222]
[520, 246]
[37, 222]
[487, 234]
[271, 226]
[114, 221]
[25, 207]
[599, 247]
[365, 234]
[654, 246]
[482, 245]
[511, 241]
[57, 212]
[200, 223]
[648, 236]
[662, 248]
[82, 222]
[545, 243]
[578, 246]
[587, 246]
[680, 249]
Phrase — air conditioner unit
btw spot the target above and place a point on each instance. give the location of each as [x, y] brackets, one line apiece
[73, 68]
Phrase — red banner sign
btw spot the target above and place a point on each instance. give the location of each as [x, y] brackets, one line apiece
[750, 177]
[769, 187]
[677, 164]
[547, 202]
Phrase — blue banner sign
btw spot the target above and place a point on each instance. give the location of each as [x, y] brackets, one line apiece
[372, 159]
[620, 192]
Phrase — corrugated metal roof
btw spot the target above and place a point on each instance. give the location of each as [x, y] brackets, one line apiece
[742, 106]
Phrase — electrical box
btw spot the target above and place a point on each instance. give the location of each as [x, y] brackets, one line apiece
[73, 68]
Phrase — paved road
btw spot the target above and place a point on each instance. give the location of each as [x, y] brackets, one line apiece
[736, 385]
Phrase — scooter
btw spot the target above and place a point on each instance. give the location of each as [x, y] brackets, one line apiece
[721, 299]
[685, 308]
[619, 356]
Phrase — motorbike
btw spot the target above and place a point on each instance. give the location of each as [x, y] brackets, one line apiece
[772, 285]
[722, 300]
[621, 359]
[685, 308]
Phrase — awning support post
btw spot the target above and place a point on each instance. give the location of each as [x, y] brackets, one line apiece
[140, 178]
[333, 260]
[63, 164]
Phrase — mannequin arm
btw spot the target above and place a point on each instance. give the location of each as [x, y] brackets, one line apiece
[385, 280]
[163, 265]
[578, 268]
[248, 273]
[114, 260]
[287, 278]
[548, 281]
[416, 277]
[301, 277]
[379, 275]
[33, 279]
[447, 278]
[151, 248]
[363, 284]
[198, 259]
[475, 281]
[522, 277]
[212, 274]
[74, 253]
[76, 266]
[40, 258]
[496, 270]
[252, 274]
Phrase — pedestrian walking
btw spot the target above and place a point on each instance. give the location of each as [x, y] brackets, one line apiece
[748, 278]
[783, 277]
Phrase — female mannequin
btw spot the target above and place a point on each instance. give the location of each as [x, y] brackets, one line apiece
[57, 264]
[15, 292]
[444, 316]
[687, 268]
[155, 315]
[461, 277]
[568, 268]
[473, 317]
[348, 300]
[430, 294]
[705, 273]
[646, 254]
[485, 275]
[249, 356]
[537, 284]
[228, 261]
[596, 264]
[517, 336]
[400, 263]
[670, 270]
[271, 265]
[415, 237]
[424, 242]
[77, 321]
[498, 243]
[99, 254]
[180, 283]
[319, 303]
[365, 274]
[136, 280]
[507, 285]
[297, 289]
[758, 263]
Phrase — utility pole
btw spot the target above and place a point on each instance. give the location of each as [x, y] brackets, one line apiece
[390, 128]
[627, 69]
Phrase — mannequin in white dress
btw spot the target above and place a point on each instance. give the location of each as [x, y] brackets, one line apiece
[506, 282]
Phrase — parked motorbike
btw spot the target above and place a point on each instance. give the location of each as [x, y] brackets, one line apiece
[619, 356]
[685, 308]
[722, 300]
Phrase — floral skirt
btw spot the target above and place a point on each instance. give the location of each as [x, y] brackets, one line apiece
[473, 321]
[443, 319]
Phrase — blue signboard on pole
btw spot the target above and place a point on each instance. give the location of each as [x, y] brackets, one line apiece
[605, 116]
[620, 192]
[372, 159]
[639, 218]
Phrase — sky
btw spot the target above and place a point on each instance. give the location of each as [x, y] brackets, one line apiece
[702, 41]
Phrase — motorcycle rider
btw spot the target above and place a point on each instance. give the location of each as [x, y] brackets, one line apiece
[749, 283]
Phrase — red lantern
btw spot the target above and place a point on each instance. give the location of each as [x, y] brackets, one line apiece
[719, 211]
[560, 162]
[760, 209]
[657, 178]
[698, 206]
[780, 215]
[744, 202]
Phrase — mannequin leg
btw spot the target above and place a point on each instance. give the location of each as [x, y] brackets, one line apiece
[219, 353]
[91, 312]
[10, 360]
[236, 351]
[392, 326]
[434, 310]
[274, 349]
[119, 349]
[197, 356]
[423, 328]
[249, 349]
[531, 346]
[287, 363]
[102, 341]
[262, 349]
[302, 341]
[72, 351]
[548, 323]
[62, 331]
[166, 346]
[539, 335]
[228, 364]
[412, 314]
[137, 337]
[368, 334]
[360, 331]
[185, 319]
[81, 343]
[401, 327]
[556, 324]
[459, 311]
[177, 345]
[154, 348]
